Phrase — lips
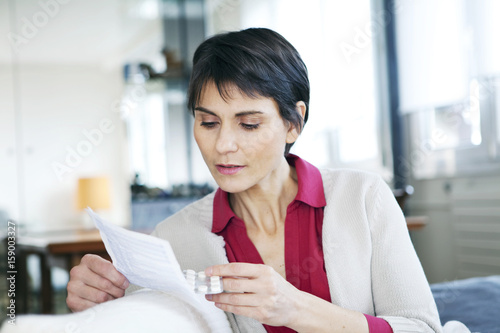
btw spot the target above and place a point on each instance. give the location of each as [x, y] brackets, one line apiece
[229, 169]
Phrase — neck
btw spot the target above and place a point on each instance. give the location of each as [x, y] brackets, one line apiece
[263, 206]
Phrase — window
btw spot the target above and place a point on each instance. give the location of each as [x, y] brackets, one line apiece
[144, 110]
[449, 70]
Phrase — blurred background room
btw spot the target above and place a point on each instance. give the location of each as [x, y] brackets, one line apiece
[93, 113]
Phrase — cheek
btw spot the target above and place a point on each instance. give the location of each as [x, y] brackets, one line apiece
[265, 142]
[256, 142]
[201, 141]
[266, 136]
[196, 137]
[271, 136]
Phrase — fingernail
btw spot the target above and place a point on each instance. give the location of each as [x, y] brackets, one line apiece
[208, 297]
[125, 284]
[208, 271]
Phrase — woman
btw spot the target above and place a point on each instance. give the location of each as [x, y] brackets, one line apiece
[301, 249]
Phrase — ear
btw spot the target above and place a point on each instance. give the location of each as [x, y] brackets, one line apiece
[294, 132]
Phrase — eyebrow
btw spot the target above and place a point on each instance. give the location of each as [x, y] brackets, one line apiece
[239, 114]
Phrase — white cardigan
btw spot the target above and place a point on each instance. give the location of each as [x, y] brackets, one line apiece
[370, 261]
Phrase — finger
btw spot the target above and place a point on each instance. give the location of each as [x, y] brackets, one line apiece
[238, 269]
[95, 281]
[77, 304]
[255, 312]
[246, 311]
[97, 296]
[79, 293]
[105, 269]
[237, 299]
[236, 285]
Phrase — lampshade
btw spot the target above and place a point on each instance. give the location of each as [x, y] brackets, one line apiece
[94, 193]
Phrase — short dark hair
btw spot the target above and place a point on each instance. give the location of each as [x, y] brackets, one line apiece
[260, 62]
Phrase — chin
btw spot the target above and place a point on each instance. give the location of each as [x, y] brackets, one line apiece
[232, 185]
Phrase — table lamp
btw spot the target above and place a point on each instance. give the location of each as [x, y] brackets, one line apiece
[93, 192]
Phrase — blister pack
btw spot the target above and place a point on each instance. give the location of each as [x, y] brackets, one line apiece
[203, 284]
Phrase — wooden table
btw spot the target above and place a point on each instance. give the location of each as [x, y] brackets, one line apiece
[57, 248]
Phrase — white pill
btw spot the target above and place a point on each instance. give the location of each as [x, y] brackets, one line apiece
[202, 289]
[215, 289]
[190, 272]
[201, 276]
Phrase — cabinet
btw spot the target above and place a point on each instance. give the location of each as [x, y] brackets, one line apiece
[462, 238]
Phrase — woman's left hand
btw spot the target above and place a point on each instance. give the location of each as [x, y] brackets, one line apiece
[256, 291]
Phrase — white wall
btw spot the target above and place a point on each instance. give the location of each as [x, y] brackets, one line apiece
[8, 158]
[58, 105]
[61, 76]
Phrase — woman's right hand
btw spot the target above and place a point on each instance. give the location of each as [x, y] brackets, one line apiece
[95, 280]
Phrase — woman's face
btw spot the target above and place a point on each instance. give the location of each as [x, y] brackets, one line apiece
[242, 139]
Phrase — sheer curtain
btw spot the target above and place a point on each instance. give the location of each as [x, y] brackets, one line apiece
[449, 61]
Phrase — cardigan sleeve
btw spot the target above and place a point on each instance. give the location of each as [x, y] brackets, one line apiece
[401, 293]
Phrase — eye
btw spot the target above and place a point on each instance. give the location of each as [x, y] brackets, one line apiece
[249, 126]
[208, 124]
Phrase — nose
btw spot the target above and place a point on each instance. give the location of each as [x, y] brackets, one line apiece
[226, 141]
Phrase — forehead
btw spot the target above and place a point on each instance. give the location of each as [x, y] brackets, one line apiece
[226, 91]
[231, 95]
